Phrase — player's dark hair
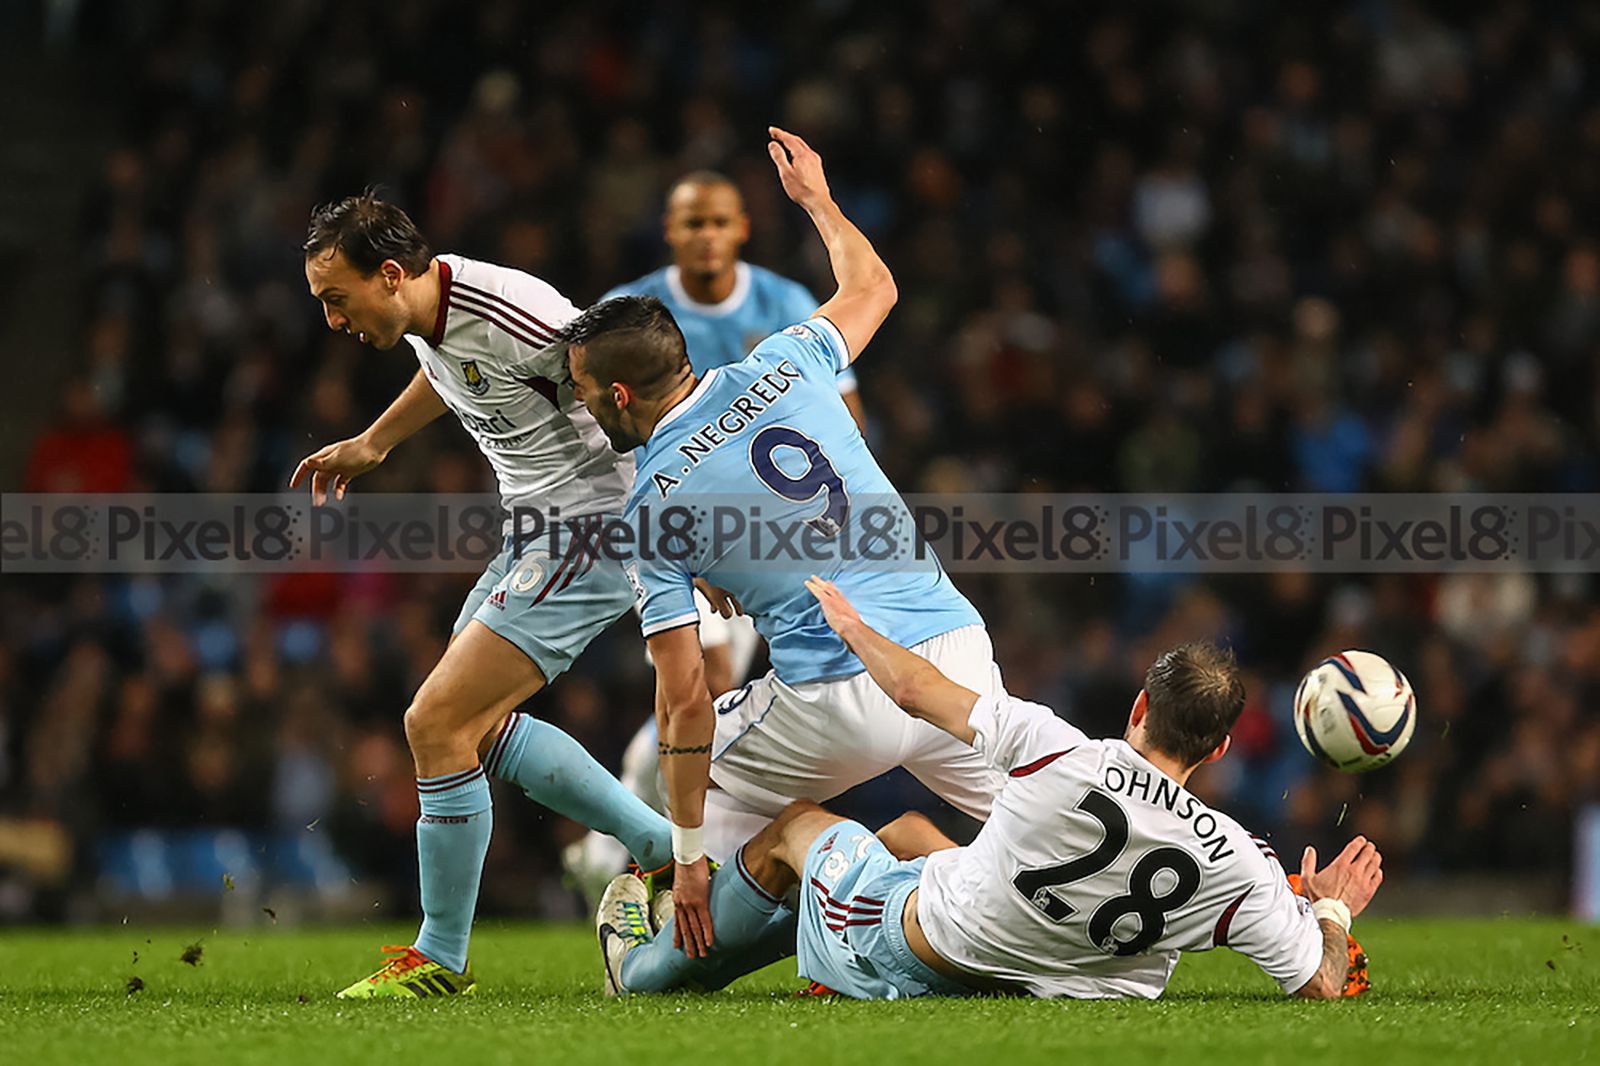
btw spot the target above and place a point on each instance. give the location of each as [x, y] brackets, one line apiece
[1195, 696]
[710, 178]
[368, 231]
[631, 339]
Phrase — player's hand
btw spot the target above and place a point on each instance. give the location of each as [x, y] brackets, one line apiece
[841, 614]
[722, 601]
[691, 908]
[799, 168]
[1356, 980]
[1353, 877]
[334, 467]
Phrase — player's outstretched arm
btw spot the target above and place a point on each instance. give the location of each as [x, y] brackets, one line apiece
[914, 683]
[333, 468]
[866, 288]
[685, 725]
[1347, 884]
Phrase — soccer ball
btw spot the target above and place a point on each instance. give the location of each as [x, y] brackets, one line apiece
[1355, 711]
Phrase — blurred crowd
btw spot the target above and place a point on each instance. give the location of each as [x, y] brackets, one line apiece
[1212, 246]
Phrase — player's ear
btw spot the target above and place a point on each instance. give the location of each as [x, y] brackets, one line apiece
[393, 274]
[621, 395]
[1141, 707]
[1219, 751]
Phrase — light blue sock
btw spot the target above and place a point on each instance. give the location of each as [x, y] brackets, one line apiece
[452, 840]
[553, 769]
[750, 927]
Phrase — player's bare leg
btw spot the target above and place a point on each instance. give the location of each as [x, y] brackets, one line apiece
[466, 697]
[462, 726]
[913, 835]
[776, 855]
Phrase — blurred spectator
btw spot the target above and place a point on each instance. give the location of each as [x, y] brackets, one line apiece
[84, 451]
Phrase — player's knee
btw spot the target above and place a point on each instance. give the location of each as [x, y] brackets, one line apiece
[431, 725]
[419, 724]
[795, 812]
[909, 822]
[913, 835]
[773, 857]
[770, 841]
[797, 808]
[905, 836]
[797, 828]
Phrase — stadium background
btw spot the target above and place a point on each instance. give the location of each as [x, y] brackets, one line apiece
[1184, 247]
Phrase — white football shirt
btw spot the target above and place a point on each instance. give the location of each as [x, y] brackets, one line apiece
[487, 360]
[1095, 870]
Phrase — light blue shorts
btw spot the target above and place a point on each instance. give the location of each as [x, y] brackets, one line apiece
[550, 607]
[852, 897]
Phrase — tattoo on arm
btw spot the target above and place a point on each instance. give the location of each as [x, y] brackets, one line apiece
[1330, 976]
[663, 748]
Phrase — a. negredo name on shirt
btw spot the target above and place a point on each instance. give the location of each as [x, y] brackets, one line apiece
[733, 420]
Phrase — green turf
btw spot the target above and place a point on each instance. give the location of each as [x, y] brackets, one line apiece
[1507, 991]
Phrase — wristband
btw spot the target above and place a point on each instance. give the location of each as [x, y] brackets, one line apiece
[689, 844]
[1332, 910]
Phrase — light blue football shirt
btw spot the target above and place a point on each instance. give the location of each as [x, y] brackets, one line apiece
[760, 304]
[765, 466]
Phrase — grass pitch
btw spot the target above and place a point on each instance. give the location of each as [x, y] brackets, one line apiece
[1505, 991]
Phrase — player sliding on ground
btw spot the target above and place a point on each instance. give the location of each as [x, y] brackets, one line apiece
[1096, 869]
[768, 437]
[479, 333]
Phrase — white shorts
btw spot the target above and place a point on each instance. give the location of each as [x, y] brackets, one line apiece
[776, 743]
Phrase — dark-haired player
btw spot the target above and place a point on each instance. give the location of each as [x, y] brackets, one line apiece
[768, 440]
[725, 307]
[1096, 869]
[479, 333]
